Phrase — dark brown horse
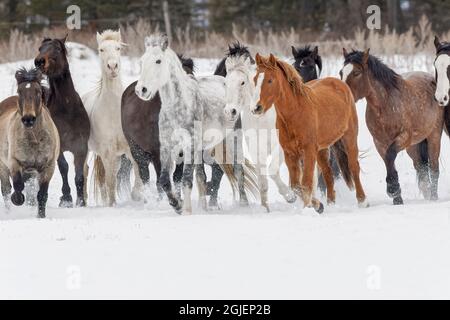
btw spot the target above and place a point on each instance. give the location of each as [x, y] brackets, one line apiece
[401, 114]
[69, 115]
[141, 128]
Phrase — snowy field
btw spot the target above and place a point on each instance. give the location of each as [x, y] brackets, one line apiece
[146, 251]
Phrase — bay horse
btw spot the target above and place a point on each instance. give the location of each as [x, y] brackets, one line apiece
[107, 140]
[263, 145]
[310, 119]
[29, 140]
[401, 114]
[69, 115]
[186, 103]
[140, 124]
[442, 65]
[308, 63]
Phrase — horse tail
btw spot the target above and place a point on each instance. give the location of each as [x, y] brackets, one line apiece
[99, 175]
[342, 159]
[250, 178]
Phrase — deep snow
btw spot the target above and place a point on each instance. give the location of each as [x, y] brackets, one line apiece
[146, 251]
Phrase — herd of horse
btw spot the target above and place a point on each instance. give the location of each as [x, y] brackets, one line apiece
[180, 123]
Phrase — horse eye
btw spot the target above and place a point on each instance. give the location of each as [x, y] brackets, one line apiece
[158, 61]
[101, 50]
[270, 81]
[357, 73]
[243, 83]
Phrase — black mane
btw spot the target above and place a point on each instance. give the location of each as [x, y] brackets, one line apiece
[187, 63]
[381, 72]
[306, 51]
[236, 49]
[444, 48]
[24, 76]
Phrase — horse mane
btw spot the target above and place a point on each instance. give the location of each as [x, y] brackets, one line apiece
[381, 72]
[110, 35]
[63, 45]
[292, 76]
[187, 63]
[443, 48]
[24, 76]
[236, 49]
[306, 51]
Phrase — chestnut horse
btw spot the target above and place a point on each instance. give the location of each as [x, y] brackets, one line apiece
[401, 114]
[311, 118]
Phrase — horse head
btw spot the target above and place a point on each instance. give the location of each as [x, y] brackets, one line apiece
[442, 66]
[52, 57]
[109, 49]
[239, 85]
[307, 62]
[155, 71]
[31, 95]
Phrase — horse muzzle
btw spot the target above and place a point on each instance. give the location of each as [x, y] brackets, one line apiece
[443, 101]
[29, 121]
[259, 110]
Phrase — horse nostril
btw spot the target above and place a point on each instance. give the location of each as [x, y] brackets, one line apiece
[28, 121]
[233, 112]
[144, 90]
[259, 108]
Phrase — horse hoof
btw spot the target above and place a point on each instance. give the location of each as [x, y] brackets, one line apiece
[364, 204]
[81, 203]
[18, 199]
[398, 201]
[243, 203]
[321, 209]
[434, 197]
[291, 198]
[41, 215]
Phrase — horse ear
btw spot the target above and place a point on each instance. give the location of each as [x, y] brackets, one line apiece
[437, 42]
[99, 38]
[316, 51]
[345, 52]
[272, 59]
[366, 56]
[63, 40]
[147, 42]
[164, 42]
[258, 58]
[294, 51]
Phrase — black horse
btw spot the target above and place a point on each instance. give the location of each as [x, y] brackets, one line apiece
[69, 115]
[140, 123]
[308, 64]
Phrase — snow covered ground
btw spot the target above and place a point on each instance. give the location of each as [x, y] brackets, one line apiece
[146, 251]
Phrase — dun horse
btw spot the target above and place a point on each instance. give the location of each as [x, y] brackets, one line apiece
[304, 115]
[69, 115]
[401, 114]
[29, 140]
[308, 63]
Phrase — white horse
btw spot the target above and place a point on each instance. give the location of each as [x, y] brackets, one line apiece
[107, 140]
[259, 131]
[186, 102]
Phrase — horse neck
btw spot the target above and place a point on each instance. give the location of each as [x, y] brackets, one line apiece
[62, 85]
[378, 96]
[176, 88]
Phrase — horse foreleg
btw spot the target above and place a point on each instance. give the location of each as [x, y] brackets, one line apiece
[66, 200]
[393, 186]
[263, 184]
[5, 184]
[239, 174]
[42, 196]
[80, 161]
[178, 178]
[136, 193]
[419, 154]
[111, 164]
[309, 163]
[17, 197]
[201, 185]
[274, 173]
[188, 177]
[165, 182]
[324, 164]
[434, 151]
[214, 185]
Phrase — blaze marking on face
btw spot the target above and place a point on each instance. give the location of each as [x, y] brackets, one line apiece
[442, 64]
[346, 71]
[28, 86]
[259, 83]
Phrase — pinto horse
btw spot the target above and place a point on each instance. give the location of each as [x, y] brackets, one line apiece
[310, 119]
[401, 114]
[69, 115]
[442, 65]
